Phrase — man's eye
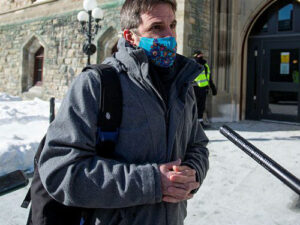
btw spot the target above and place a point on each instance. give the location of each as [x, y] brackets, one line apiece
[157, 27]
[173, 26]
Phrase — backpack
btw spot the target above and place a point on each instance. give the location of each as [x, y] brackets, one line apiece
[44, 209]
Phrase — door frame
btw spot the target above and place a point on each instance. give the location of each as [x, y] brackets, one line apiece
[258, 46]
[268, 85]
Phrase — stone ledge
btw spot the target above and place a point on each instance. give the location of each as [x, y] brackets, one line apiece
[41, 2]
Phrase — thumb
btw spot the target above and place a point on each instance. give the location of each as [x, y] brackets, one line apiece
[170, 165]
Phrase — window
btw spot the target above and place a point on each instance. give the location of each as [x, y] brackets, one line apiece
[285, 18]
[284, 65]
[38, 67]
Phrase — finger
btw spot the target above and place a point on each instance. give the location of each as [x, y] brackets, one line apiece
[178, 185]
[170, 165]
[178, 192]
[188, 173]
[184, 186]
[192, 186]
[190, 196]
[181, 168]
[170, 199]
[187, 187]
[182, 179]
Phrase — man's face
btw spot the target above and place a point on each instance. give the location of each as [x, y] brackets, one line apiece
[157, 23]
[200, 56]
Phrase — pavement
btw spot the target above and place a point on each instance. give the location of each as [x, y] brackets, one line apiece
[237, 190]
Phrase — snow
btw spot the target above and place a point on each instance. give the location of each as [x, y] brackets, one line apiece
[22, 125]
[236, 191]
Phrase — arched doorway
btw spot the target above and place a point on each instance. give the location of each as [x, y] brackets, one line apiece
[33, 53]
[273, 88]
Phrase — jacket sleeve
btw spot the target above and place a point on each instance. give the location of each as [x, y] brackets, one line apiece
[74, 174]
[197, 154]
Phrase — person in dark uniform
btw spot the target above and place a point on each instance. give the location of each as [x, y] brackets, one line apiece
[202, 84]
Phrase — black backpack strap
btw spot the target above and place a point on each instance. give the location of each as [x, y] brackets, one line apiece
[27, 198]
[110, 112]
[29, 220]
[109, 120]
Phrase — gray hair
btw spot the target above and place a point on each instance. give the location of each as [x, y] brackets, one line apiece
[132, 9]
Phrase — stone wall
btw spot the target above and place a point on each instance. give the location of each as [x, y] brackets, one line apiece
[7, 5]
[63, 57]
[62, 53]
[198, 26]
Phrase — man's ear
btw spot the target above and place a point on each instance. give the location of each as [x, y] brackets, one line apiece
[129, 37]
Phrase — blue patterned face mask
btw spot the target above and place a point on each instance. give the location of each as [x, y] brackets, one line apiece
[161, 51]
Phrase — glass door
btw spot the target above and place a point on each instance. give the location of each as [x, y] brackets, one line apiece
[280, 83]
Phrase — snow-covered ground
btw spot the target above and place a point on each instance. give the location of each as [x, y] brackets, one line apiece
[237, 190]
[22, 125]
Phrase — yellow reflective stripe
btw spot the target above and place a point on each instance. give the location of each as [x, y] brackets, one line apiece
[208, 69]
[204, 84]
[201, 81]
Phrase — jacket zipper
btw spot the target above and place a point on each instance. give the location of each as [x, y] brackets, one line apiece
[165, 109]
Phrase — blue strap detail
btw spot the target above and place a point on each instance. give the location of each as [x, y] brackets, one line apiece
[106, 135]
[82, 221]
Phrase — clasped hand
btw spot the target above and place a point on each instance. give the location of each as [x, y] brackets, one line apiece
[177, 181]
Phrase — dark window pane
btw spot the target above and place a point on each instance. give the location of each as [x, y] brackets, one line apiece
[285, 18]
[284, 103]
[39, 76]
[38, 67]
[39, 63]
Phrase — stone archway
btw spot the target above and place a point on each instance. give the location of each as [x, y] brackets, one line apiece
[29, 49]
[106, 44]
[268, 90]
[252, 19]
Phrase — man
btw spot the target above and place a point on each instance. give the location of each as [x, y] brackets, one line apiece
[160, 158]
[201, 88]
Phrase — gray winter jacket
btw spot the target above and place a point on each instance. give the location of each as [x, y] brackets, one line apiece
[125, 190]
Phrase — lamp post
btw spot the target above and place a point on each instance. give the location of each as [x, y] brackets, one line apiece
[89, 20]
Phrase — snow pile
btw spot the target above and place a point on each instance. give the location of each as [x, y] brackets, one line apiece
[6, 97]
[22, 125]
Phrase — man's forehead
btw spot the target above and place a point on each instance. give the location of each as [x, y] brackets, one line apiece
[159, 13]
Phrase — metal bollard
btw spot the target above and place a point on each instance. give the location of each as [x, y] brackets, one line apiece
[273, 167]
[52, 109]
